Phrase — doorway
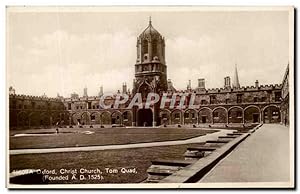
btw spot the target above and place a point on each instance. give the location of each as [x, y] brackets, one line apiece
[144, 117]
[255, 118]
[203, 118]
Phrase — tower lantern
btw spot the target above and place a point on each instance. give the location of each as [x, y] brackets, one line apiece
[150, 63]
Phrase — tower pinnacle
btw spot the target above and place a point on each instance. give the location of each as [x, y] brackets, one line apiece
[236, 83]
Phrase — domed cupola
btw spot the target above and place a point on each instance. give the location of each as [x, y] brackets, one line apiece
[150, 33]
[150, 46]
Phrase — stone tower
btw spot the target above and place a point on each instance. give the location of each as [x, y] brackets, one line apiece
[150, 71]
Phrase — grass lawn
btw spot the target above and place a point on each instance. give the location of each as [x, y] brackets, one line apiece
[139, 158]
[101, 136]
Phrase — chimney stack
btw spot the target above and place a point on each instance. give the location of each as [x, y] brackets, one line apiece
[101, 91]
[189, 86]
[124, 88]
[256, 84]
[201, 83]
[227, 82]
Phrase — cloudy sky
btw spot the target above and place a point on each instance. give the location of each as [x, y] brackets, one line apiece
[64, 51]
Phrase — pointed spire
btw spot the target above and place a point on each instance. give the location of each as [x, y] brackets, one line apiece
[85, 92]
[236, 83]
[150, 22]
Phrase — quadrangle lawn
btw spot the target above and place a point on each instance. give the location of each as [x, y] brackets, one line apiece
[101, 136]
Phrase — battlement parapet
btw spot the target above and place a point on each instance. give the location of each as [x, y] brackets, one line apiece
[270, 87]
[30, 97]
[197, 91]
[241, 89]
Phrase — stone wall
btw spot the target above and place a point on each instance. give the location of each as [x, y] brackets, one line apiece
[242, 105]
[36, 112]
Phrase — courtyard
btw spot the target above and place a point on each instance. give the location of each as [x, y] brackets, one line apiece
[79, 137]
[138, 158]
[125, 148]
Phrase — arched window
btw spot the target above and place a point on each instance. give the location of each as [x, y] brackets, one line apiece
[145, 46]
[154, 48]
[144, 90]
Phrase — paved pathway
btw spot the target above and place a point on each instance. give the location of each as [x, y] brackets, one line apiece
[262, 157]
[199, 139]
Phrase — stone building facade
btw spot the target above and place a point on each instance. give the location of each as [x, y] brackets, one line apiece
[255, 104]
[229, 104]
[35, 111]
[284, 107]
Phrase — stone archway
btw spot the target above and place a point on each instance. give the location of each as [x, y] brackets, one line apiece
[65, 118]
[127, 118]
[235, 115]
[220, 115]
[55, 118]
[95, 118]
[165, 117]
[205, 115]
[116, 118]
[22, 119]
[144, 117]
[85, 118]
[271, 114]
[44, 119]
[252, 114]
[176, 116]
[34, 119]
[105, 118]
[76, 118]
[190, 116]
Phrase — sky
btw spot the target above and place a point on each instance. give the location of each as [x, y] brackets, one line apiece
[64, 51]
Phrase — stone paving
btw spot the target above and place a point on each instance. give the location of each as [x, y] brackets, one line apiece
[211, 136]
[262, 157]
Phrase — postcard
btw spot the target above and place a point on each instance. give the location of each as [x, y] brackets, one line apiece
[150, 97]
